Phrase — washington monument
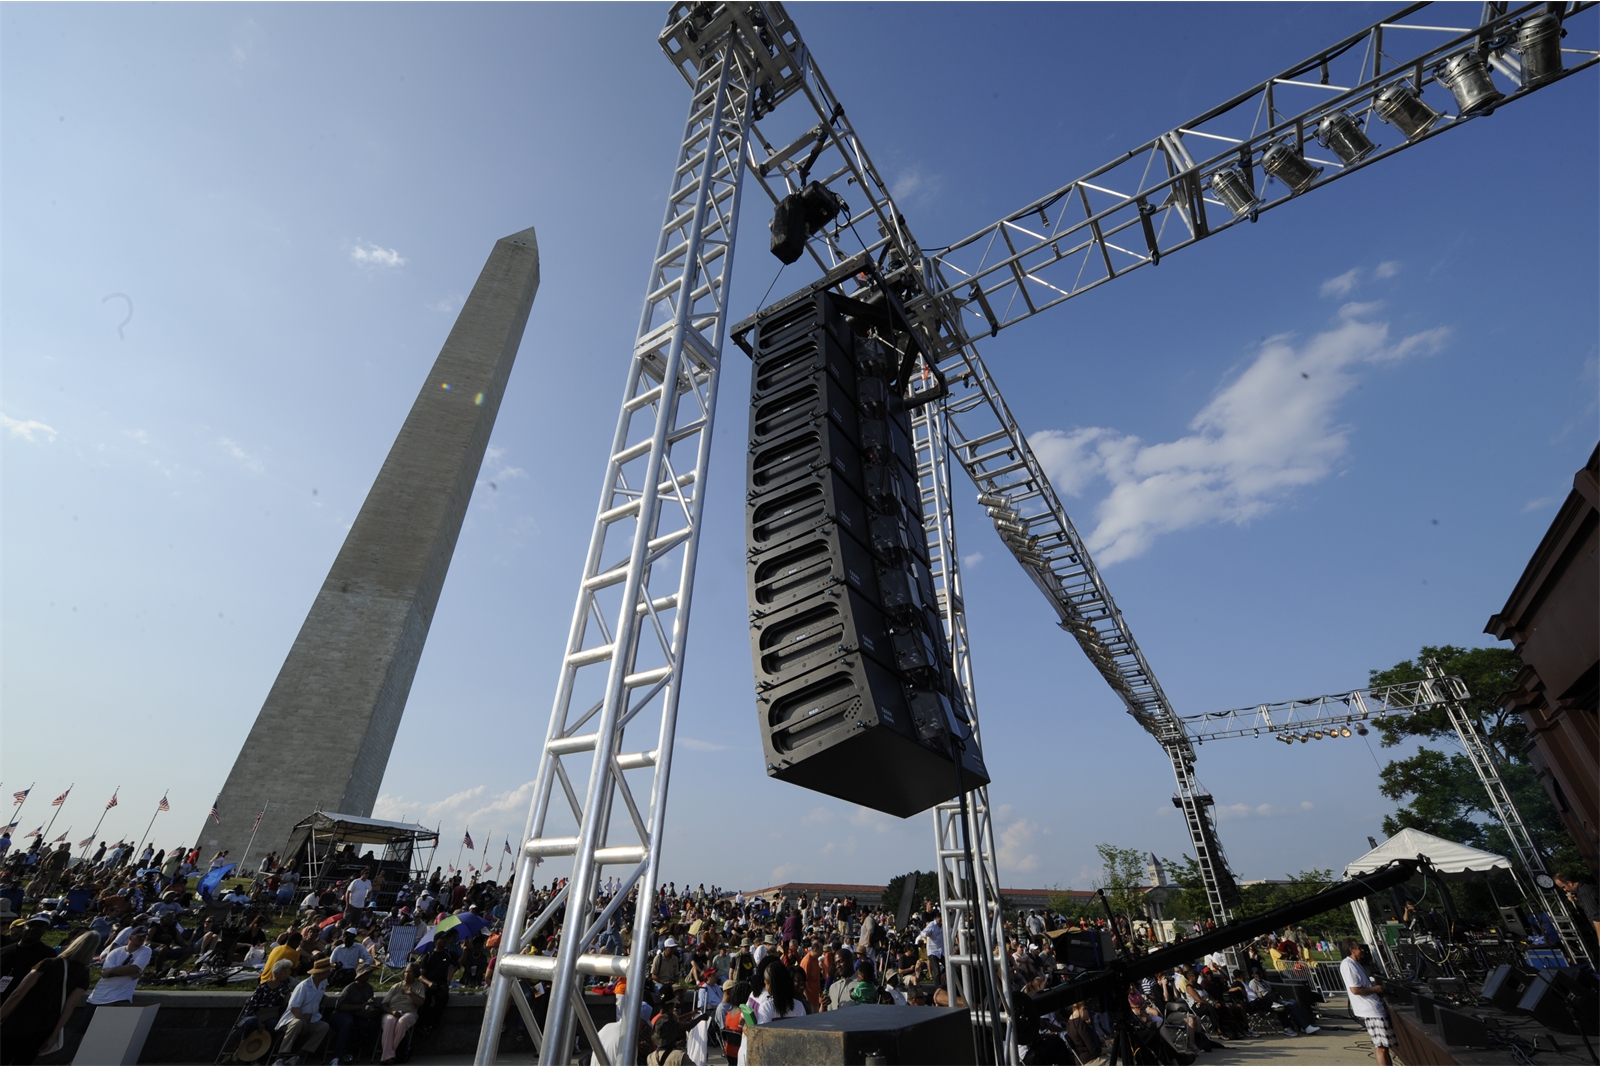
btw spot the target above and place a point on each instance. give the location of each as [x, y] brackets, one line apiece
[323, 736]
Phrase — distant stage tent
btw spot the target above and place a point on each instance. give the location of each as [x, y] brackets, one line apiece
[329, 846]
[1454, 861]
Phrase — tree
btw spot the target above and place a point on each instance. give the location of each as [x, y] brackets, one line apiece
[1122, 877]
[1189, 903]
[1443, 794]
[925, 886]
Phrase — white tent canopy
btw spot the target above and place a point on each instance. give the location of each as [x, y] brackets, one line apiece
[1451, 859]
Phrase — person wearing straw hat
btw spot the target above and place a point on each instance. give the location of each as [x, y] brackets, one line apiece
[302, 1026]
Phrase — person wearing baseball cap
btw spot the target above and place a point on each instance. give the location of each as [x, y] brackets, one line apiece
[355, 1019]
[302, 1026]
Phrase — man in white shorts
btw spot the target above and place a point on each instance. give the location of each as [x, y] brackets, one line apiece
[1365, 1000]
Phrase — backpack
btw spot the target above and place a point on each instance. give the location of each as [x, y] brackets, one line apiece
[733, 1032]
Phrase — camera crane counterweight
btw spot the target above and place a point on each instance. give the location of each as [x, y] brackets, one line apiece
[621, 674]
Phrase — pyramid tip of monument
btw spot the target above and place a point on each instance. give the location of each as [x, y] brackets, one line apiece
[523, 237]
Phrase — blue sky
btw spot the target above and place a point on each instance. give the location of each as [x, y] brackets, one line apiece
[293, 201]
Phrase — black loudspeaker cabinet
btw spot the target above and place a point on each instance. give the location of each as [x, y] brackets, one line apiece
[1562, 1000]
[1504, 987]
[1459, 1029]
[1425, 1006]
[851, 665]
[846, 730]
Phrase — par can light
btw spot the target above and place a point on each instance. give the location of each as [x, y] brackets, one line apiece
[1467, 75]
[1344, 731]
[1289, 167]
[1539, 41]
[1401, 107]
[1344, 137]
[1234, 190]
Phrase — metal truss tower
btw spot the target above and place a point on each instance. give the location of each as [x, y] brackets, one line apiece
[1337, 714]
[616, 701]
[967, 866]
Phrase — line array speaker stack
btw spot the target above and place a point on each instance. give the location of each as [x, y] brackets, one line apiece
[853, 679]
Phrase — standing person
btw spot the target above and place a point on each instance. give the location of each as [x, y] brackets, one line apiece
[42, 1002]
[1366, 1001]
[776, 1001]
[933, 937]
[1586, 899]
[355, 897]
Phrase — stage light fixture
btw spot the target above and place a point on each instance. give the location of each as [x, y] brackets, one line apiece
[1234, 189]
[1304, 738]
[1289, 167]
[1401, 107]
[1317, 734]
[1467, 75]
[1344, 137]
[1361, 728]
[993, 500]
[1539, 41]
[1344, 731]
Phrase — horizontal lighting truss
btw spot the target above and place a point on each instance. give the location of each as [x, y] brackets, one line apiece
[1157, 198]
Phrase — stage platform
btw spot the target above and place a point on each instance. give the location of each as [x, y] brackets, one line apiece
[1424, 1043]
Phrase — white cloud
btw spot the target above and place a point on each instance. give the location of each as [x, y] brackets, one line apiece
[1541, 502]
[1342, 285]
[694, 744]
[781, 873]
[915, 185]
[1268, 432]
[1016, 842]
[245, 459]
[1230, 812]
[972, 560]
[371, 255]
[1387, 269]
[29, 430]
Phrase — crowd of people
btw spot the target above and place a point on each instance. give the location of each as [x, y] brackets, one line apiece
[718, 963]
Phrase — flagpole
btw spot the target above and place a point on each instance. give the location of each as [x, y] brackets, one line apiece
[466, 834]
[96, 831]
[147, 829]
[253, 831]
[26, 793]
[58, 808]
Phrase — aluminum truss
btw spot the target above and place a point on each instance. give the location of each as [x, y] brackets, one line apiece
[1157, 198]
[742, 61]
[1341, 714]
[970, 907]
[622, 673]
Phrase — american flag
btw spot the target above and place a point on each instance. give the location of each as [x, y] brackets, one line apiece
[58, 801]
[60, 839]
[470, 867]
[216, 816]
[163, 806]
[449, 869]
[86, 842]
[20, 795]
[112, 802]
[508, 847]
[8, 828]
[466, 839]
[37, 830]
[257, 824]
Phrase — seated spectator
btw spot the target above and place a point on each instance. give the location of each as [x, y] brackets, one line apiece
[301, 1027]
[346, 957]
[356, 1016]
[266, 1004]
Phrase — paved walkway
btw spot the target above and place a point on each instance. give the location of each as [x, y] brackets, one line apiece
[1341, 1041]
